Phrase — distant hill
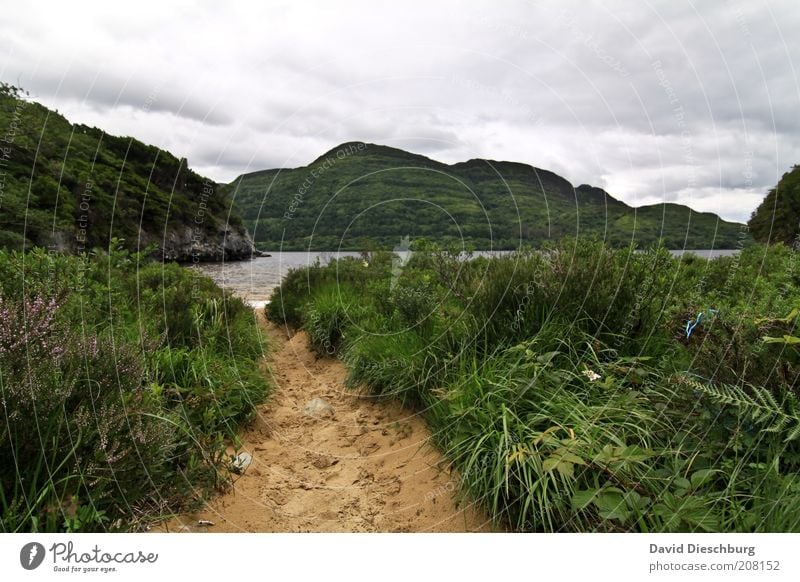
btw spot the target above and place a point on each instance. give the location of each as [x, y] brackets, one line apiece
[360, 196]
[777, 218]
[72, 187]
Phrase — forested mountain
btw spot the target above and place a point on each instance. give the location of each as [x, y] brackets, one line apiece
[71, 188]
[777, 218]
[360, 195]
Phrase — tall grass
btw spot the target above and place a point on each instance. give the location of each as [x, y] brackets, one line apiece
[564, 387]
[122, 383]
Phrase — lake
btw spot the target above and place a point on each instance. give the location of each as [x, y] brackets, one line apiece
[254, 280]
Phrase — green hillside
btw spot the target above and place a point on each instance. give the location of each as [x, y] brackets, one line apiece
[359, 196]
[72, 187]
[777, 218]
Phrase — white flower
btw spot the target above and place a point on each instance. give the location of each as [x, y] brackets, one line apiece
[591, 375]
[365, 263]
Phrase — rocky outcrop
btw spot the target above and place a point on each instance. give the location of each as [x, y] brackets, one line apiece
[195, 245]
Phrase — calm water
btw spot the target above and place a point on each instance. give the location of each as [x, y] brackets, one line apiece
[254, 280]
[707, 253]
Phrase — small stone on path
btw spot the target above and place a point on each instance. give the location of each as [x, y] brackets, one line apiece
[318, 408]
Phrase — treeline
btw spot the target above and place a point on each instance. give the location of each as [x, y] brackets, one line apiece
[777, 218]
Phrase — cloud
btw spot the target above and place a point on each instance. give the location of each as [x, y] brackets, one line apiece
[694, 103]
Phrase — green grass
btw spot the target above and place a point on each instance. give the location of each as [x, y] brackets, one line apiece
[123, 384]
[562, 386]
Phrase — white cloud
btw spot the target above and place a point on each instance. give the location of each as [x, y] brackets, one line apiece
[570, 86]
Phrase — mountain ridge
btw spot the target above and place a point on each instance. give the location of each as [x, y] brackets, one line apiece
[323, 203]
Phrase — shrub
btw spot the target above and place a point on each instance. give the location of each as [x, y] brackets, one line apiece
[82, 431]
[116, 411]
[389, 364]
[329, 313]
[566, 390]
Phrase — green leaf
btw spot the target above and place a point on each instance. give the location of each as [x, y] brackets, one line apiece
[570, 458]
[795, 433]
[701, 476]
[556, 464]
[550, 464]
[636, 454]
[582, 499]
[694, 511]
[789, 340]
[632, 454]
[606, 454]
[611, 505]
[681, 483]
[566, 469]
[788, 319]
[635, 501]
[671, 520]
[547, 358]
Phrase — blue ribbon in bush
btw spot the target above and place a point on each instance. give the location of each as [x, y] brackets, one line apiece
[693, 323]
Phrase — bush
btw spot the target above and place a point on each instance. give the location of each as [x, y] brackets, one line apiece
[389, 364]
[117, 411]
[567, 391]
[81, 424]
[331, 310]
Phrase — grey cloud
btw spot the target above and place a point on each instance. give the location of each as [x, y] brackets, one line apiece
[104, 92]
[572, 87]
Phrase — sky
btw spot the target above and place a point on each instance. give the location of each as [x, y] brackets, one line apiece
[677, 101]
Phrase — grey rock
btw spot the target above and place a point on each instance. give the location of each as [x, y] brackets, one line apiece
[318, 408]
[189, 244]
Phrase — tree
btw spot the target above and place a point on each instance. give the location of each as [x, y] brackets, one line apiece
[7, 90]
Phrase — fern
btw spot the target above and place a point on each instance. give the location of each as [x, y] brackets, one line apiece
[756, 404]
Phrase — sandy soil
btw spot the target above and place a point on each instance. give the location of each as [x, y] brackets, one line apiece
[368, 468]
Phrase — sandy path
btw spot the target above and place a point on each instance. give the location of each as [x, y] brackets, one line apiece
[369, 468]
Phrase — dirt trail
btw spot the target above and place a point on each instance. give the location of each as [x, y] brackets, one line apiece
[369, 468]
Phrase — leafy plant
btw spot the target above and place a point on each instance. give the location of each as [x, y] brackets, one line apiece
[562, 386]
[116, 411]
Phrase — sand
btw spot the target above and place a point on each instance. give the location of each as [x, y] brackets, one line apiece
[368, 468]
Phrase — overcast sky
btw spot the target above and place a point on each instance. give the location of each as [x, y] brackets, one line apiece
[691, 102]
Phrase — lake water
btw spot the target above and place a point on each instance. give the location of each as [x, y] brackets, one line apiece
[255, 280]
[707, 253]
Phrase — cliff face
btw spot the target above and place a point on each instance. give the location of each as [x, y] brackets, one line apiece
[188, 244]
[181, 243]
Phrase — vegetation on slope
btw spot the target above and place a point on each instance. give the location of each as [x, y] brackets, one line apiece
[122, 384]
[777, 218]
[365, 196]
[74, 188]
[583, 388]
